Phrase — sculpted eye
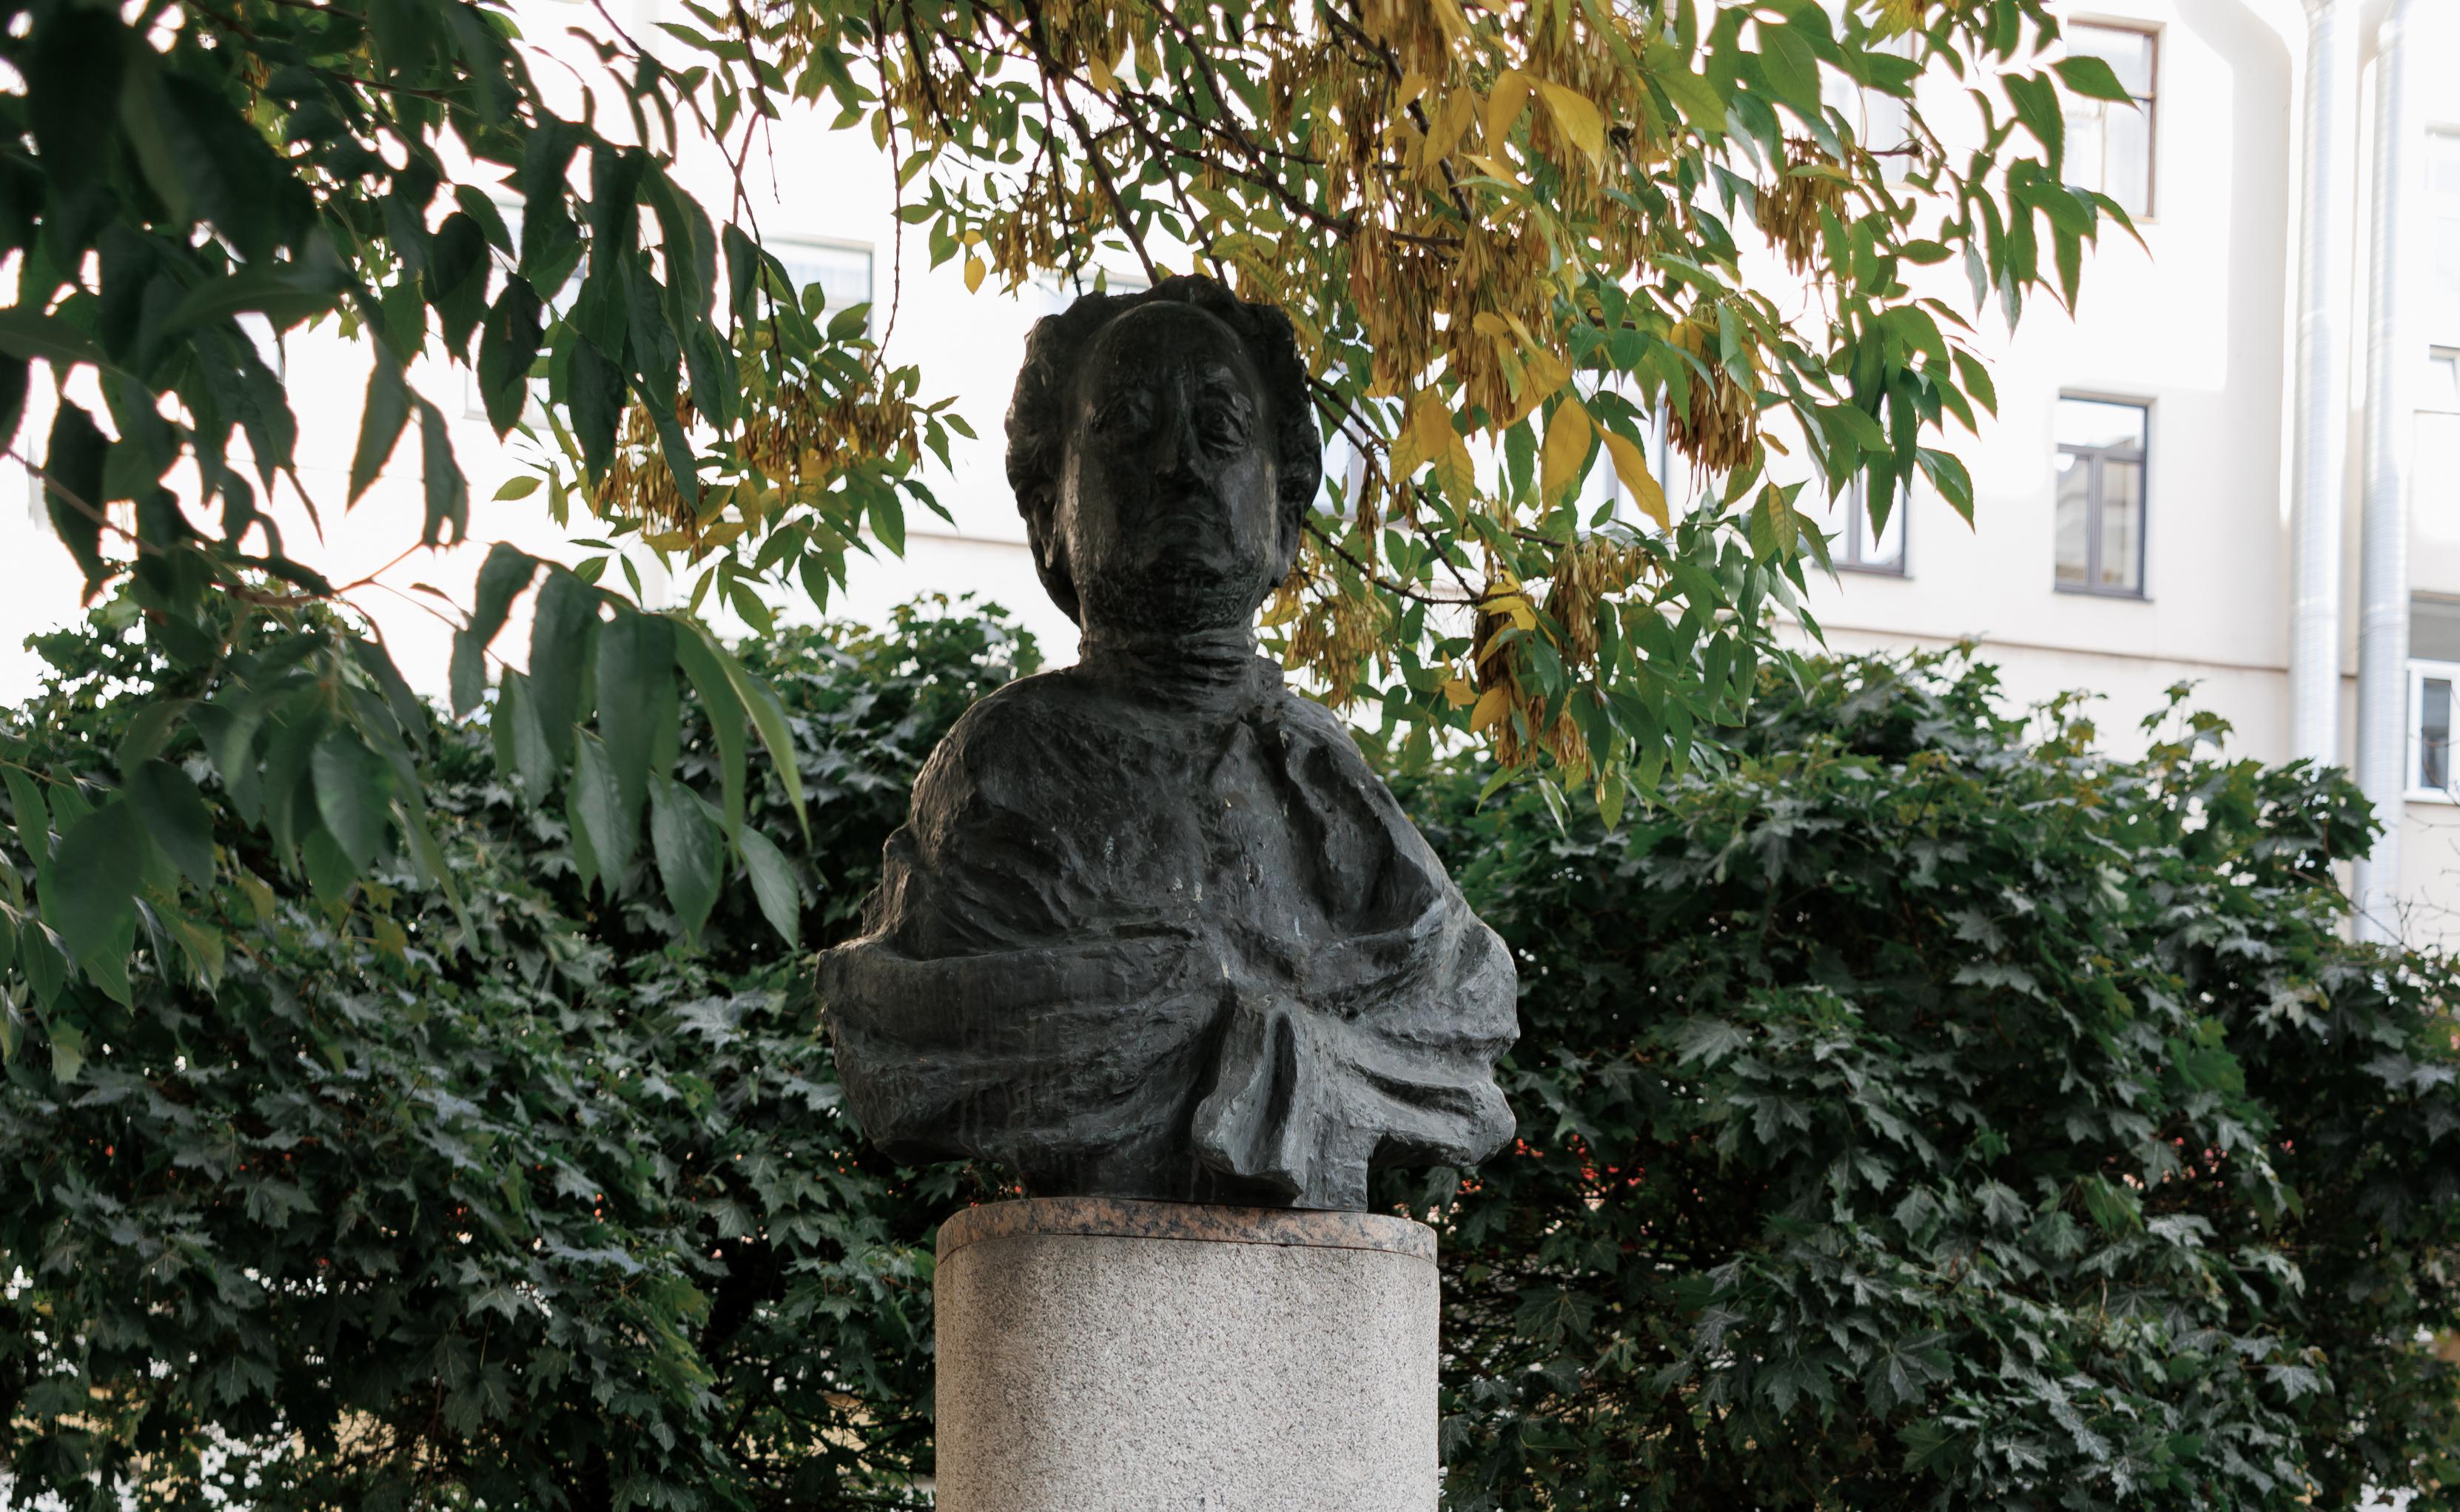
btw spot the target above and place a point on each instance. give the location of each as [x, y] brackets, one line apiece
[1222, 423]
[1128, 415]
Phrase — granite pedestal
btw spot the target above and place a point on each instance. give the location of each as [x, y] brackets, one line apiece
[1102, 1356]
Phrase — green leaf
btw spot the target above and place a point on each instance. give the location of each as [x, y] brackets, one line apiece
[636, 698]
[73, 72]
[2037, 105]
[2092, 78]
[284, 294]
[447, 491]
[596, 395]
[385, 412]
[723, 708]
[561, 635]
[774, 886]
[33, 816]
[150, 726]
[92, 901]
[689, 848]
[410, 712]
[1791, 69]
[508, 343]
[68, 1053]
[1701, 108]
[501, 578]
[596, 809]
[889, 520]
[768, 717]
[522, 749]
[72, 487]
[429, 858]
[177, 819]
[13, 399]
[353, 795]
[44, 957]
[29, 335]
[330, 874]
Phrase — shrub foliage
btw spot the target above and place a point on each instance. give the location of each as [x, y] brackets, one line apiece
[1912, 1114]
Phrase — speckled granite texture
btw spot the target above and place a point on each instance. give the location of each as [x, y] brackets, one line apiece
[1112, 1218]
[1100, 1355]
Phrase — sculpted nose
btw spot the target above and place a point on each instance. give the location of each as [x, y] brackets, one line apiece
[1175, 443]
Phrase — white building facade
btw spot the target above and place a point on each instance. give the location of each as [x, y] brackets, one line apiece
[2238, 465]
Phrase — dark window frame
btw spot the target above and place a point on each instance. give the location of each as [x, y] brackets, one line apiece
[1858, 527]
[2148, 103]
[2415, 786]
[2094, 457]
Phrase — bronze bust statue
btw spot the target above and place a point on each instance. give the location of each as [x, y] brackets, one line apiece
[1153, 928]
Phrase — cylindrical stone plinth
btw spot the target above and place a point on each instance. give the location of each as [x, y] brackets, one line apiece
[1098, 1356]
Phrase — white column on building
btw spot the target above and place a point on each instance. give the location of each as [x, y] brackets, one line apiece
[2319, 414]
[2382, 553]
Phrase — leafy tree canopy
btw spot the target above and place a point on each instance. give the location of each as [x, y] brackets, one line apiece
[1505, 230]
[323, 1212]
[1924, 1115]
[1913, 1114]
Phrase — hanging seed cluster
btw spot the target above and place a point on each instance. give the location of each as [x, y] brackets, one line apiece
[1481, 217]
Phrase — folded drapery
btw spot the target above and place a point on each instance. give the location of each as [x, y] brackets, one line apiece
[1184, 949]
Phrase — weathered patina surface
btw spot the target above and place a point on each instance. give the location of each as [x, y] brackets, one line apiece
[1154, 928]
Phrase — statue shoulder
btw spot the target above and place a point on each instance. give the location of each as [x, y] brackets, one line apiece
[1021, 734]
[1321, 731]
[1037, 707]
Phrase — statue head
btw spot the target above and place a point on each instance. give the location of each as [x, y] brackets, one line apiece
[1164, 455]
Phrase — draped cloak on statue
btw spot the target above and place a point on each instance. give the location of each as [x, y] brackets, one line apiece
[1183, 946]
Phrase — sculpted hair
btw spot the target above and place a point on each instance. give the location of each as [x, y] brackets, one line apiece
[1037, 415]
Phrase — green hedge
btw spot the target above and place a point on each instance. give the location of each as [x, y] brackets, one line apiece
[1916, 1113]
[1912, 1114]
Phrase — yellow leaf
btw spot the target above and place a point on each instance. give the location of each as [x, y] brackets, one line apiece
[1491, 167]
[1492, 705]
[1459, 692]
[1431, 424]
[1513, 606]
[1455, 23]
[1099, 72]
[1413, 85]
[1547, 372]
[1567, 449]
[1577, 115]
[1448, 122]
[1455, 472]
[1486, 323]
[1632, 467]
[1504, 106]
[975, 268]
[1406, 459]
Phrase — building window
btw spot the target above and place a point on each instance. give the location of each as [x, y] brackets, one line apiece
[2429, 727]
[2110, 145]
[841, 271]
[2100, 515]
[2441, 392]
[1857, 548]
[2443, 213]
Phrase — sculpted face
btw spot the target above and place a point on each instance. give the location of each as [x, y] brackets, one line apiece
[1169, 500]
